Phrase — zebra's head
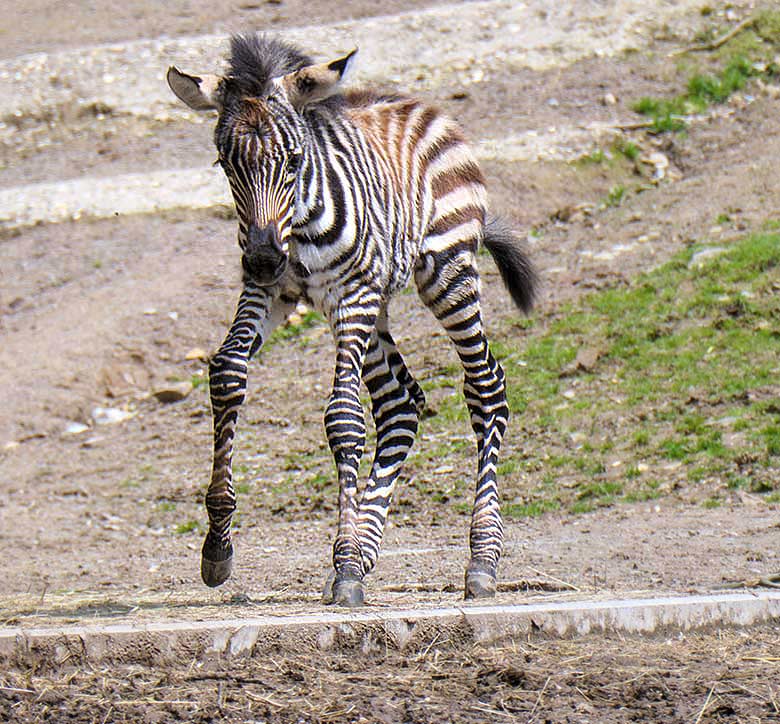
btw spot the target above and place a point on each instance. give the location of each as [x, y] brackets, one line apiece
[261, 138]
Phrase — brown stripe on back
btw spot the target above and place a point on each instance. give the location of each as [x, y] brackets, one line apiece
[452, 179]
[440, 146]
[455, 219]
[375, 119]
[429, 115]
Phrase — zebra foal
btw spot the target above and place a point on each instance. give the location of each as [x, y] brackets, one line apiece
[342, 199]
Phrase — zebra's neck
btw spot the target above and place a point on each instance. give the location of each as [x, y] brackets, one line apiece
[309, 192]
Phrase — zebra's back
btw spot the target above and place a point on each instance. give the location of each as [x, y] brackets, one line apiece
[420, 177]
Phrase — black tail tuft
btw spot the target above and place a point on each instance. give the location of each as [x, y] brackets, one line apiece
[512, 261]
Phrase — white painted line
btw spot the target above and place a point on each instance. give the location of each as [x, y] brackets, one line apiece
[333, 628]
[414, 50]
[200, 188]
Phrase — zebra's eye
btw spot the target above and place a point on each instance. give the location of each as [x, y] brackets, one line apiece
[294, 161]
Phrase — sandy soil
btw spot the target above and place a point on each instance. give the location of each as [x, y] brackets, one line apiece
[102, 313]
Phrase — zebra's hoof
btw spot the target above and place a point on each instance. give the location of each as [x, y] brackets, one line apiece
[216, 564]
[480, 583]
[348, 593]
[342, 592]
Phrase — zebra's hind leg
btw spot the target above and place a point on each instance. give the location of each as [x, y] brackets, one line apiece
[448, 284]
[259, 310]
[353, 327]
[396, 404]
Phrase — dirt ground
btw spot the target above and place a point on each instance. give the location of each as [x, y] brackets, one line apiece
[727, 676]
[101, 313]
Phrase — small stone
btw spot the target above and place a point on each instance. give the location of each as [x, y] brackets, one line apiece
[196, 353]
[75, 428]
[173, 393]
[659, 162]
[444, 469]
[122, 379]
[586, 360]
[110, 415]
[609, 99]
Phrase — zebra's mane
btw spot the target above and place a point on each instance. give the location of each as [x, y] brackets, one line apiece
[256, 59]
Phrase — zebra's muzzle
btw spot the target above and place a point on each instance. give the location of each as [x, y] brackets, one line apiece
[264, 258]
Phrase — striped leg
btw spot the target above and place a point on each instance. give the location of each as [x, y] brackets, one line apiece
[346, 431]
[259, 310]
[448, 283]
[397, 402]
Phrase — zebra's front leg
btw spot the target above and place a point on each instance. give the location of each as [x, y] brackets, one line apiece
[259, 310]
[346, 431]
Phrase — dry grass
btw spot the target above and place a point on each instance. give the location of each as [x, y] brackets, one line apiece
[714, 677]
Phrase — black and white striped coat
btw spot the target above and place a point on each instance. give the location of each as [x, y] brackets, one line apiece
[342, 200]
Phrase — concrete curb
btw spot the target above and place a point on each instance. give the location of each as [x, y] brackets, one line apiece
[366, 630]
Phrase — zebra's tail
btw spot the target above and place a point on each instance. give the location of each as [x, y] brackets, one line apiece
[509, 253]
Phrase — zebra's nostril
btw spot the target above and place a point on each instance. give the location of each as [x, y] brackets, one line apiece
[264, 269]
[265, 257]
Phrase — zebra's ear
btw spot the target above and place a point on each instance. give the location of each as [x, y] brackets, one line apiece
[314, 82]
[199, 92]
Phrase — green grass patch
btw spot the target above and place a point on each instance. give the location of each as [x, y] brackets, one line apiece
[199, 380]
[615, 196]
[760, 41]
[687, 381]
[710, 503]
[771, 435]
[292, 331]
[703, 90]
[627, 149]
[530, 510]
[188, 527]
[596, 157]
